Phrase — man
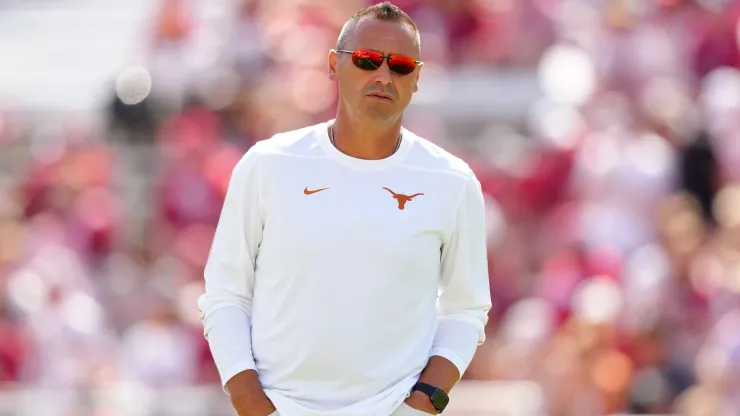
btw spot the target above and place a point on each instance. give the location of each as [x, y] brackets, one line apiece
[349, 262]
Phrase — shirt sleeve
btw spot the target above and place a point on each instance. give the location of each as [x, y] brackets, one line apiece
[465, 296]
[226, 305]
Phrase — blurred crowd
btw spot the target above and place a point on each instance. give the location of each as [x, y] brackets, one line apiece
[613, 206]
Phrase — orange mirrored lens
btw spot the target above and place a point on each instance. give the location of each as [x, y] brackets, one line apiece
[403, 65]
[372, 60]
[368, 60]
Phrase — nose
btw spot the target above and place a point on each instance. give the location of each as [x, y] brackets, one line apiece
[382, 75]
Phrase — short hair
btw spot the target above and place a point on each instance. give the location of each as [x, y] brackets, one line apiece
[382, 11]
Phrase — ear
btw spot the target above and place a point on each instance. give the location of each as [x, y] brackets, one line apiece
[333, 65]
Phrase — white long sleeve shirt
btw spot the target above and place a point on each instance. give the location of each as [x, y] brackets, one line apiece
[336, 278]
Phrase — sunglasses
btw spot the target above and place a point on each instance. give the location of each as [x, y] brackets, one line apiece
[371, 60]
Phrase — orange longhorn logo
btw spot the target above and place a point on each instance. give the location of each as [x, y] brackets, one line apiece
[401, 198]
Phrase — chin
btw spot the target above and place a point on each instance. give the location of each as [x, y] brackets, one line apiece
[380, 113]
[384, 117]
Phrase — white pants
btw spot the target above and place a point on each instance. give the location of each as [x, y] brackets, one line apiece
[404, 410]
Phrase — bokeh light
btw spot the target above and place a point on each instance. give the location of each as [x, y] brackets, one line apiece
[598, 300]
[133, 84]
[558, 125]
[83, 313]
[27, 290]
[651, 155]
[668, 100]
[528, 321]
[612, 371]
[567, 75]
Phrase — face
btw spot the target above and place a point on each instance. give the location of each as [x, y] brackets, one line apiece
[357, 87]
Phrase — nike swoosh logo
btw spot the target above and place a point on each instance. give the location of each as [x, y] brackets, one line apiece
[307, 192]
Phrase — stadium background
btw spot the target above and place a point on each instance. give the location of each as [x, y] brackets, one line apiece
[605, 134]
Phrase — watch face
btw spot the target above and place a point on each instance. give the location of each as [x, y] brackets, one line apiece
[440, 400]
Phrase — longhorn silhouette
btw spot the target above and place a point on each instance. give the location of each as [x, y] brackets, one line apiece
[401, 198]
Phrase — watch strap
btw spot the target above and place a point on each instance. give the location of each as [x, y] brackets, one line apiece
[425, 388]
[436, 395]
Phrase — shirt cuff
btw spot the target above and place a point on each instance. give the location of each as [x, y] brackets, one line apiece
[228, 373]
[457, 342]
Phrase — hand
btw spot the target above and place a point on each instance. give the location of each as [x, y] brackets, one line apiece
[250, 406]
[420, 401]
[247, 395]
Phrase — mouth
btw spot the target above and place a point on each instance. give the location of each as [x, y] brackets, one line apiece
[380, 96]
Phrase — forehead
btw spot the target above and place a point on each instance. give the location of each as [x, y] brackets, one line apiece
[384, 36]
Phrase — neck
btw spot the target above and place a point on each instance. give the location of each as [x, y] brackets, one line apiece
[365, 140]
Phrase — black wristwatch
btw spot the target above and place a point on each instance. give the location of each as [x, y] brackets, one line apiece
[438, 397]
